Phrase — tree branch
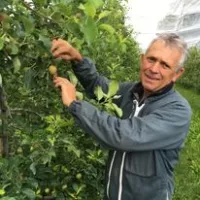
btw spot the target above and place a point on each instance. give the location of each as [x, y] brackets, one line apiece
[25, 110]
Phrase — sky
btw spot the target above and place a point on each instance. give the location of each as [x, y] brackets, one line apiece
[144, 16]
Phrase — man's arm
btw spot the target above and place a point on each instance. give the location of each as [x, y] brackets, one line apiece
[89, 77]
[165, 128]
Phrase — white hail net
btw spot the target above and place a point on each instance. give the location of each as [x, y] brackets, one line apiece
[184, 19]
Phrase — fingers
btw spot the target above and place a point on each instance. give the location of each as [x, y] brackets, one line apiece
[60, 51]
[60, 79]
[61, 48]
[60, 82]
[68, 90]
[66, 57]
[56, 43]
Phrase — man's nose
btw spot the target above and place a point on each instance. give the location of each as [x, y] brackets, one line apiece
[155, 67]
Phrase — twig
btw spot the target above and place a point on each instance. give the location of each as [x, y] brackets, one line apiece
[26, 110]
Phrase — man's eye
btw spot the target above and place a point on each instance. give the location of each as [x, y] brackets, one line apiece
[165, 66]
[151, 60]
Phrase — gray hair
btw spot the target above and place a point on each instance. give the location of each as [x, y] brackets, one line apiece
[173, 40]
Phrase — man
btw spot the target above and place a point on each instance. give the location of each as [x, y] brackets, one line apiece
[144, 144]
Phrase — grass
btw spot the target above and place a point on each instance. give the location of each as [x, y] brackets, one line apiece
[187, 173]
[192, 96]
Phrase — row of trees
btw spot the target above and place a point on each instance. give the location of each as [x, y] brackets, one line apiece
[191, 77]
[44, 154]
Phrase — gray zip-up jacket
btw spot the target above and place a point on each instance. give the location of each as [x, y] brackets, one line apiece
[144, 144]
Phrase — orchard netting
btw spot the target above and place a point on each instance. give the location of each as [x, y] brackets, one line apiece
[184, 19]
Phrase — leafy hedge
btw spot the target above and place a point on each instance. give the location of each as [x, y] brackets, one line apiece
[187, 173]
[44, 154]
[190, 79]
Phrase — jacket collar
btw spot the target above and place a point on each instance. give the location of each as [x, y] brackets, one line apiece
[139, 90]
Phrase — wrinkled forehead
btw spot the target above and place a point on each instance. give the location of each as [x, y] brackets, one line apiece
[165, 52]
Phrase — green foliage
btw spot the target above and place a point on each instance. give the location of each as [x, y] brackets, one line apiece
[46, 149]
[105, 101]
[187, 174]
[188, 171]
[190, 78]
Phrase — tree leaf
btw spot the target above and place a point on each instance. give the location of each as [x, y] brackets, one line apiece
[99, 93]
[16, 64]
[28, 24]
[0, 80]
[90, 10]
[1, 43]
[41, 2]
[116, 96]
[79, 95]
[2, 192]
[117, 110]
[104, 14]
[113, 88]
[72, 148]
[29, 193]
[8, 198]
[45, 40]
[97, 3]
[28, 78]
[108, 107]
[90, 30]
[13, 48]
[107, 28]
[72, 78]
[32, 168]
[81, 7]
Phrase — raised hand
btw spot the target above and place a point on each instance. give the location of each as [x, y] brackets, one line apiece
[68, 90]
[62, 49]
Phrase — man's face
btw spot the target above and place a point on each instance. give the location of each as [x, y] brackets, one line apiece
[159, 67]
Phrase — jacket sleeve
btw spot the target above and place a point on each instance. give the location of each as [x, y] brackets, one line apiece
[89, 77]
[164, 128]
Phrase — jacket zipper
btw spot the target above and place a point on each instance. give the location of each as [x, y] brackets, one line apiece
[109, 174]
[135, 111]
[167, 196]
[121, 176]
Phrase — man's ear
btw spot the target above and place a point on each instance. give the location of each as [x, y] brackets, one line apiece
[178, 74]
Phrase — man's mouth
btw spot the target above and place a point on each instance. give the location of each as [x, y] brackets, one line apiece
[153, 78]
